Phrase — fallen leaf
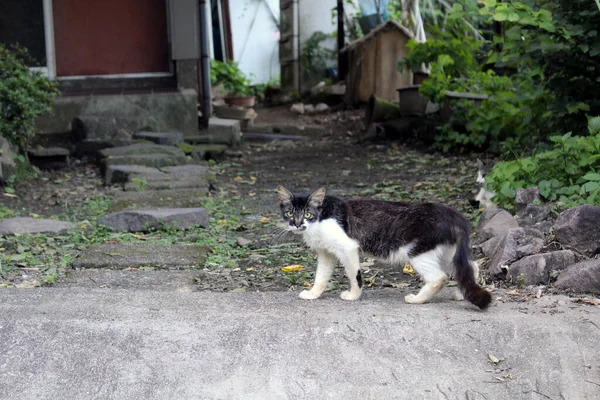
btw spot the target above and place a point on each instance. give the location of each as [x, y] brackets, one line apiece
[238, 178]
[307, 284]
[585, 301]
[253, 178]
[408, 269]
[29, 284]
[292, 268]
[141, 237]
[513, 292]
[494, 359]
[249, 269]
[265, 219]
[32, 215]
[13, 196]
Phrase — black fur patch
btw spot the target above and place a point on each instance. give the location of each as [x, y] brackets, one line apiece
[359, 279]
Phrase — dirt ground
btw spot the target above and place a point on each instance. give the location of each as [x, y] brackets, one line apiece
[249, 250]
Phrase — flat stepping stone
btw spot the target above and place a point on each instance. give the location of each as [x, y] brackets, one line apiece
[146, 220]
[187, 170]
[149, 199]
[141, 148]
[159, 256]
[136, 279]
[148, 160]
[123, 173]
[225, 131]
[166, 182]
[92, 147]
[31, 225]
[164, 138]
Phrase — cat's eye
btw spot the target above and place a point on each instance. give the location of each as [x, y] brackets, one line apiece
[289, 214]
[308, 215]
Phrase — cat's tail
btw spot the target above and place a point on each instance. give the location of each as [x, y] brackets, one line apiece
[465, 274]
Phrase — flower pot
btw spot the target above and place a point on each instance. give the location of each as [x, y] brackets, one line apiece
[241, 101]
[411, 102]
[419, 77]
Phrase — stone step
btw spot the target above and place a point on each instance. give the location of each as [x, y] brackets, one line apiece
[204, 152]
[186, 182]
[50, 157]
[124, 173]
[178, 198]
[162, 138]
[148, 255]
[147, 220]
[133, 279]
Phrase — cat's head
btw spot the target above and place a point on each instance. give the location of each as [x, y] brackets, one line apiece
[482, 171]
[299, 211]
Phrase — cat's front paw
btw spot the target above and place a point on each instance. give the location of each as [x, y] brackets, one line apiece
[413, 299]
[457, 295]
[348, 295]
[308, 295]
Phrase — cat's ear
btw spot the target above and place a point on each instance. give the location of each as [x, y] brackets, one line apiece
[480, 164]
[284, 195]
[316, 199]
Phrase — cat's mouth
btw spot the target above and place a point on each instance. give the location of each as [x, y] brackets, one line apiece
[296, 230]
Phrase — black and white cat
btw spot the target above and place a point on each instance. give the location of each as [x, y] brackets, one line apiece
[433, 238]
[484, 196]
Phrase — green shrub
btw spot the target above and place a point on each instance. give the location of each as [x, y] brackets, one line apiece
[24, 95]
[231, 76]
[568, 174]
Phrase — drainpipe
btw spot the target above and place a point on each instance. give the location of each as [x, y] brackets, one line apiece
[205, 64]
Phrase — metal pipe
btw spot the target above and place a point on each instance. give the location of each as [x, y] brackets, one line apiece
[205, 65]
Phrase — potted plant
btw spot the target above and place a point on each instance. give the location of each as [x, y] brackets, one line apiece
[234, 81]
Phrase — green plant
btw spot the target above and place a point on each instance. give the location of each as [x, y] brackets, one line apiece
[315, 58]
[568, 174]
[24, 95]
[231, 76]
[140, 184]
[24, 170]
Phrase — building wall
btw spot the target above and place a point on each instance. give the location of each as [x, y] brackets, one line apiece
[255, 31]
[315, 16]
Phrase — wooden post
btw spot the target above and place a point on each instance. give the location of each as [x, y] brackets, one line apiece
[342, 57]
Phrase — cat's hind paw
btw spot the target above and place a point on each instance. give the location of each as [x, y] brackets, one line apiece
[348, 295]
[413, 299]
[457, 295]
[308, 295]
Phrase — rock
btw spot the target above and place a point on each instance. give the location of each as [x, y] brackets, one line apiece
[204, 152]
[516, 244]
[123, 134]
[495, 222]
[309, 109]
[243, 241]
[162, 138]
[186, 170]
[297, 108]
[540, 217]
[489, 247]
[525, 197]
[318, 88]
[123, 173]
[578, 229]
[583, 277]
[167, 182]
[140, 149]
[7, 160]
[536, 269]
[32, 225]
[321, 107]
[122, 256]
[145, 220]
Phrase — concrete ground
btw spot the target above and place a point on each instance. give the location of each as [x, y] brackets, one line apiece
[122, 344]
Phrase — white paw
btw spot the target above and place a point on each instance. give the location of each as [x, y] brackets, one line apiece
[348, 295]
[413, 299]
[307, 295]
[457, 295]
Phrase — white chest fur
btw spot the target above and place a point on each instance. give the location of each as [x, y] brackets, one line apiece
[328, 235]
